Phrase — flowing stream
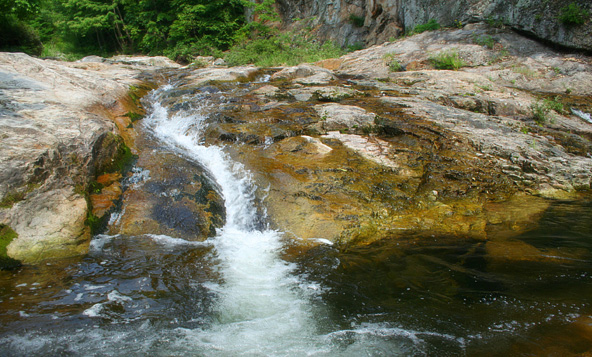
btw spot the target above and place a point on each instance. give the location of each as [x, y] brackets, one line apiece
[239, 293]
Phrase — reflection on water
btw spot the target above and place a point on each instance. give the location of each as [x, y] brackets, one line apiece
[534, 304]
[444, 297]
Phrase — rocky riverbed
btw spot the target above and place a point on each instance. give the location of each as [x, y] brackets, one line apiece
[378, 144]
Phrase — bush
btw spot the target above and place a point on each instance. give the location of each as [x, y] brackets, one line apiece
[430, 26]
[447, 60]
[485, 40]
[281, 49]
[355, 47]
[17, 36]
[392, 63]
[554, 104]
[539, 112]
[357, 21]
[573, 15]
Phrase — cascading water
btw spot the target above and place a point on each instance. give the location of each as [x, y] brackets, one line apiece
[227, 296]
[261, 308]
[234, 294]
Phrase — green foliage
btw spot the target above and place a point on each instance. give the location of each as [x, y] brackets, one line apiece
[573, 15]
[554, 104]
[264, 13]
[357, 21]
[539, 112]
[495, 22]
[204, 27]
[429, 26]
[281, 49]
[355, 47]
[21, 9]
[181, 29]
[485, 40]
[7, 235]
[392, 63]
[447, 60]
[15, 33]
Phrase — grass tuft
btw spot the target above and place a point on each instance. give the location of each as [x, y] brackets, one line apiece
[429, 26]
[448, 60]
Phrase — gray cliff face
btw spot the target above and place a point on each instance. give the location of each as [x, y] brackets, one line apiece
[384, 19]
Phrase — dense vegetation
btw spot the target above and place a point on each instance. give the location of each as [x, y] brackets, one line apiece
[179, 29]
[172, 27]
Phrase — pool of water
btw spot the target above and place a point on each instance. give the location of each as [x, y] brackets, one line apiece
[163, 296]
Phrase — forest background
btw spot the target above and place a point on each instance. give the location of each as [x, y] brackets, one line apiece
[241, 31]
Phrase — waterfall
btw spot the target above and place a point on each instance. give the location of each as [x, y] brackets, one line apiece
[261, 307]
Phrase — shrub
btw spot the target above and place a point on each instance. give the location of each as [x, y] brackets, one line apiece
[355, 47]
[485, 40]
[573, 15]
[539, 112]
[357, 21]
[495, 22]
[429, 26]
[281, 49]
[392, 63]
[447, 60]
[554, 104]
[16, 35]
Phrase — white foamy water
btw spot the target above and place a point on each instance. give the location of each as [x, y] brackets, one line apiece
[261, 308]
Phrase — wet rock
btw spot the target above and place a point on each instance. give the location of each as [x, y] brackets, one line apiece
[305, 74]
[323, 94]
[175, 198]
[267, 91]
[317, 79]
[502, 139]
[344, 117]
[505, 251]
[55, 228]
[369, 147]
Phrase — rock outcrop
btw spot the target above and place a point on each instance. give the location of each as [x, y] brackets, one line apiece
[59, 129]
[421, 152]
[376, 21]
[376, 144]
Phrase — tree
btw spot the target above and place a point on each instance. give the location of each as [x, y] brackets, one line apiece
[15, 33]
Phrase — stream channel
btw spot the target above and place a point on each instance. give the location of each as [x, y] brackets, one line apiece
[251, 291]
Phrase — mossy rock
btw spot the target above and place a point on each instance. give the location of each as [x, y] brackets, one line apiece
[6, 236]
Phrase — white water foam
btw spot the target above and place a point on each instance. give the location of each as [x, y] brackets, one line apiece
[261, 307]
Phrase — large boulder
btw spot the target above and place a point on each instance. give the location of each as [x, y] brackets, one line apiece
[56, 137]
